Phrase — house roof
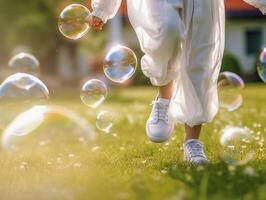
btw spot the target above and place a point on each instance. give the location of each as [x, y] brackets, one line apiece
[237, 5]
[240, 9]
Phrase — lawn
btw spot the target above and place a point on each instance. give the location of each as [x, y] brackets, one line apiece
[56, 163]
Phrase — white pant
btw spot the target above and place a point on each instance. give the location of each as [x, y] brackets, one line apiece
[183, 41]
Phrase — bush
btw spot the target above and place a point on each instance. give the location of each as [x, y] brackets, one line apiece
[140, 78]
[230, 63]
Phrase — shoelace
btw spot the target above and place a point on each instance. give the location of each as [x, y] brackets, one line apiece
[160, 111]
[195, 149]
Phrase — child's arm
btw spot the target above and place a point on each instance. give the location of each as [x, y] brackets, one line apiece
[103, 10]
[261, 4]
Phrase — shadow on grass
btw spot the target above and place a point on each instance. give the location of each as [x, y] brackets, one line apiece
[217, 181]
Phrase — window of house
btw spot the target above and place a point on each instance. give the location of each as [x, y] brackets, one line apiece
[253, 41]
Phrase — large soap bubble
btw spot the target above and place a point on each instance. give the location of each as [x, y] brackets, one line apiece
[230, 86]
[19, 92]
[73, 22]
[120, 64]
[26, 123]
[21, 86]
[237, 145]
[24, 63]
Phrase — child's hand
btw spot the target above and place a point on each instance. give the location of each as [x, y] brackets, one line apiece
[95, 23]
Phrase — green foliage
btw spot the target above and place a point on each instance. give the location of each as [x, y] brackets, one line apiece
[31, 23]
[231, 63]
[140, 78]
[94, 42]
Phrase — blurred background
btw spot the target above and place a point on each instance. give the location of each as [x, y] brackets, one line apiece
[31, 26]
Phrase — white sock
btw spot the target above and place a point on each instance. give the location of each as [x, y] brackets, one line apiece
[163, 100]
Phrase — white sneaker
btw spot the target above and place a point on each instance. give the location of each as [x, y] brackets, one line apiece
[160, 125]
[193, 152]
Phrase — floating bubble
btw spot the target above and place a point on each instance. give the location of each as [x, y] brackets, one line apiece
[261, 65]
[73, 21]
[120, 64]
[230, 86]
[104, 121]
[250, 172]
[237, 145]
[24, 63]
[93, 93]
[21, 86]
[20, 92]
[27, 122]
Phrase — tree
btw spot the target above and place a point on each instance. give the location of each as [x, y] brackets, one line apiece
[32, 23]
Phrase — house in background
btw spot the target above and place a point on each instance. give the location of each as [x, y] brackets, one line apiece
[245, 33]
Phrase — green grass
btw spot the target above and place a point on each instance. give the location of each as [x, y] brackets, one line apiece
[124, 164]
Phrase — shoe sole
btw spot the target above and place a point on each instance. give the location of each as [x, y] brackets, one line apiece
[196, 164]
[157, 139]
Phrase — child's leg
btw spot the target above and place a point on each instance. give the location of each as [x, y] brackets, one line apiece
[160, 36]
[192, 132]
[166, 91]
[193, 148]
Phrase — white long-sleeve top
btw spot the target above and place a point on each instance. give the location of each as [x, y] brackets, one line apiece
[107, 9]
[183, 40]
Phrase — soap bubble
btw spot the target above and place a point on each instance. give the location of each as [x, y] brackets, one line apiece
[237, 145]
[25, 63]
[30, 120]
[93, 93]
[21, 86]
[120, 64]
[261, 65]
[104, 121]
[230, 86]
[19, 92]
[73, 21]
[27, 121]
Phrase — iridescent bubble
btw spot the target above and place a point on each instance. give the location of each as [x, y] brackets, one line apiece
[26, 122]
[30, 120]
[93, 93]
[237, 145]
[230, 86]
[19, 92]
[73, 21]
[120, 64]
[21, 86]
[24, 63]
[104, 121]
[261, 65]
